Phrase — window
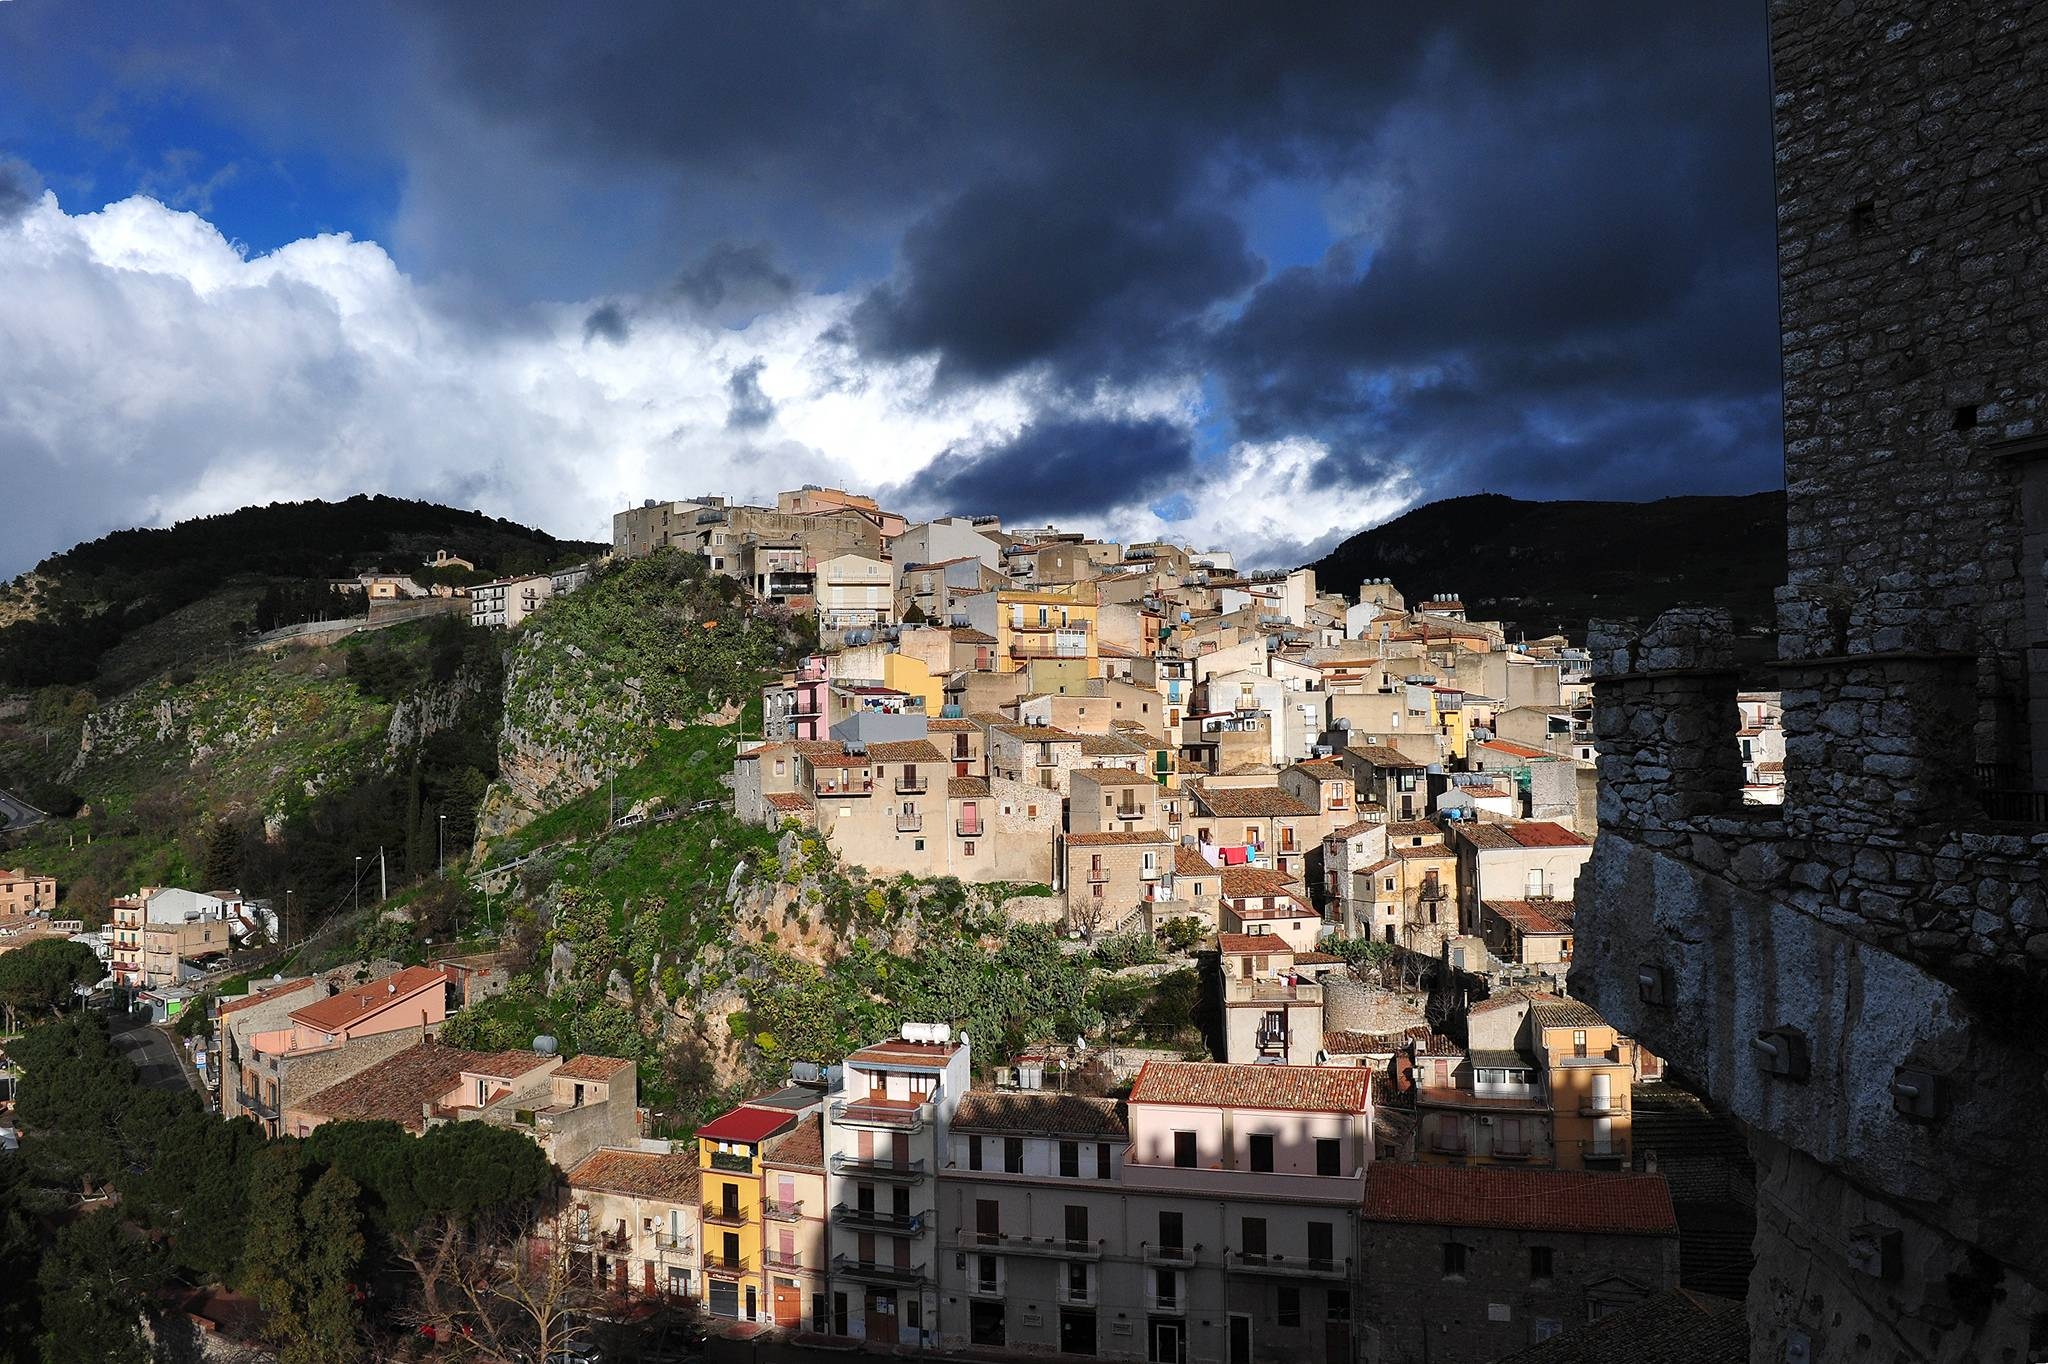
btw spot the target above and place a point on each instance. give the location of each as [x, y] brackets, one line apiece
[974, 1153]
[1013, 1155]
[987, 1266]
[1322, 1243]
[1539, 1262]
[1454, 1260]
[1077, 1224]
[1329, 1156]
[1262, 1152]
[919, 844]
[1289, 1305]
[1070, 1160]
[1184, 1150]
[1102, 1160]
[1170, 1231]
[1546, 1327]
[988, 1221]
[968, 850]
[1253, 1231]
[1339, 1304]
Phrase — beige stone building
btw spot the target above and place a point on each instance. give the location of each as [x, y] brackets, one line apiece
[22, 894]
[1111, 877]
[630, 1215]
[1112, 800]
[1514, 860]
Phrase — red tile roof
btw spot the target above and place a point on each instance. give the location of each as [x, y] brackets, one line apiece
[1203, 1084]
[1190, 862]
[905, 751]
[263, 994]
[1243, 882]
[958, 788]
[1035, 1112]
[1255, 944]
[396, 1087]
[745, 1125]
[588, 1067]
[899, 1052]
[1533, 916]
[1513, 749]
[1520, 1200]
[1233, 802]
[800, 1148]
[672, 1178]
[1379, 755]
[1116, 838]
[352, 1005]
[1530, 833]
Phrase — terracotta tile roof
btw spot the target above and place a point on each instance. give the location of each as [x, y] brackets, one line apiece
[351, 1005]
[1436, 1044]
[971, 636]
[263, 995]
[1426, 850]
[506, 1065]
[1385, 862]
[1506, 998]
[1038, 1113]
[1190, 862]
[1116, 838]
[812, 748]
[395, 1087]
[1678, 1326]
[1241, 882]
[1317, 959]
[906, 751]
[1414, 828]
[1043, 734]
[1519, 1200]
[801, 1148]
[672, 1178]
[1534, 916]
[836, 756]
[1379, 755]
[1323, 769]
[1110, 746]
[990, 719]
[1565, 1013]
[1231, 802]
[589, 1067]
[1304, 1089]
[1354, 830]
[947, 725]
[1347, 1043]
[1477, 791]
[1113, 776]
[1527, 833]
[787, 800]
[1253, 944]
[1513, 749]
[960, 787]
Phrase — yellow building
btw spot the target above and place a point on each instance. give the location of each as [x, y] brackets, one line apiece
[747, 1272]
[794, 1213]
[1590, 1072]
[904, 673]
[1052, 622]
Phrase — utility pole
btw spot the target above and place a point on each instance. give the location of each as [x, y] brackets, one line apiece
[441, 866]
[357, 889]
[287, 918]
[383, 881]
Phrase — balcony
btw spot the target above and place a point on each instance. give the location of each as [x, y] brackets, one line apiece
[1615, 1154]
[612, 1242]
[789, 1262]
[250, 1103]
[1098, 876]
[894, 1115]
[1272, 1039]
[1441, 1144]
[987, 1288]
[1070, 1296]
[907, 1172]
[1518, 1153]
[845, 789]
[1286, 1266]
[969, 828]
[913, 786]
[720, 1216]
[1048, 1247]
[782, 1212]
[867, 1271]
[1174, 1306]
[727, 1266]
[874, 1219]
[673, 1249]
[909, 824]
[1180, 1257]
[732, 1162]
[1602, 1108]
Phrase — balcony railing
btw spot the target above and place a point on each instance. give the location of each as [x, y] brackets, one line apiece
[875, 1219]
[727, 1266]
[1292, 1266]
[787, 1260]
[782, 1212]
[1616, 1152]
[913, 786]
[1272, 1039]
[909, 824]
[1162, 1306]
[1601, 1108]
[732, 1162]
[675, 1249]
[613, 1242]
[254, 1104]
[968, 828]
[1177, 1256]
[848, 788]
[720, 1216]
[1052, 1247]
[1098, 876]
[986, 1288]
[880, 1113]
[871, 1272]
[1070, 1296]
[906, 1171]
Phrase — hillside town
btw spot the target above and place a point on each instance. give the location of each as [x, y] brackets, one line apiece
[1401, 1139]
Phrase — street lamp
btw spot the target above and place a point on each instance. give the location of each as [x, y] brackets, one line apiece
[287, 918]
[357, 889]
[442, 867]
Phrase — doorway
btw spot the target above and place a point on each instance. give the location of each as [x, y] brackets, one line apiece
[1169, 1342]
[1240, 1339]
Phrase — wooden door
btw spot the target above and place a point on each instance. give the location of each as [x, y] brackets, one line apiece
[787, 1305]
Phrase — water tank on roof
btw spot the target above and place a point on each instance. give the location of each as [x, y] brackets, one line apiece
[1186, 616]
[545, 1045]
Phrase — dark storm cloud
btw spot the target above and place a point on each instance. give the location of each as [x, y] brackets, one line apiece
[20, 187]
[607, 320]
[1063, 467]
[750, 407]
[1008, 275]
[735, 282]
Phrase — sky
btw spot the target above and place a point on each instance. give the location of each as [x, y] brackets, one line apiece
[1234, 275]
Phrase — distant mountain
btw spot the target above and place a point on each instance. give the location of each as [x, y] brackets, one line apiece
[1548, 567]
[58, 622]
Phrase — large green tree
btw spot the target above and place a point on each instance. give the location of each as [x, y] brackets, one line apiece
[95, 1284]
[44, 976]
[303, 1255]
[197, 1189]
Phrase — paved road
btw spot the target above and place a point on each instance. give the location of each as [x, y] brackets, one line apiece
[17, 814]
[155, 1055]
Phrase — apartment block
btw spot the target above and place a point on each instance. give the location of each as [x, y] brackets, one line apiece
[22, 894]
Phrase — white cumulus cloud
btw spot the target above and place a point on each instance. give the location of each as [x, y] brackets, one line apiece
[150, 369]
